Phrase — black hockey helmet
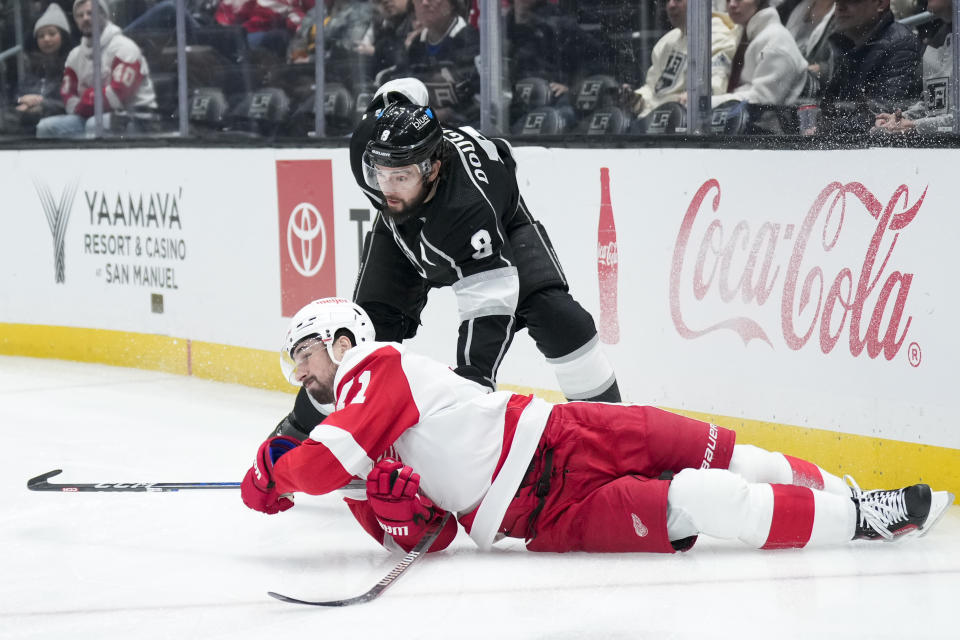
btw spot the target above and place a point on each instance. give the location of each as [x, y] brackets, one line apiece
[404, 135]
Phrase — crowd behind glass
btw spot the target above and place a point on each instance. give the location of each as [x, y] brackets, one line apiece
[248, 69]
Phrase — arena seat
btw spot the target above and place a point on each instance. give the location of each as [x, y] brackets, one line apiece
[340, 116]
[729, 118]
[668, 118]
[531, 93]
[338, 107]
[262, 112]
[208, 109]
[362, 97]
[770, 119]
[594, 92]
[606, 121]
[541, 121]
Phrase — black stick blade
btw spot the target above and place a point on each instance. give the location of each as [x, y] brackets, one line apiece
[40, 483]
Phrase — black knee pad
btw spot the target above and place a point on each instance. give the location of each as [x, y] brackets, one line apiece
[556, 322]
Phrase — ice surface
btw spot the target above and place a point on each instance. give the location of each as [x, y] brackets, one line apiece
[198, 564]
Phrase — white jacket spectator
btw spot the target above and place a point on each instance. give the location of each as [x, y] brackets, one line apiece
[126, 75]
[808, 33]
[125, 78]
[774, 70]
[666, 79]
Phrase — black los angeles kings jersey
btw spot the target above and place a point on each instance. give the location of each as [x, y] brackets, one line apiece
[474, 235]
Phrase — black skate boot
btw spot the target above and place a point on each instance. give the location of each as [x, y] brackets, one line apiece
[898, 513]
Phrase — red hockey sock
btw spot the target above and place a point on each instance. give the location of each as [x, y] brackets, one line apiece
[792, 521]
[759, 465]
[804, 517]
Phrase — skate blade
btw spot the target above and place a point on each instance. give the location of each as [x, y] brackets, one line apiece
[941, 502]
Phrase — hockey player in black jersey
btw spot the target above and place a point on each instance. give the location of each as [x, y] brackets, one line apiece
[451, 214]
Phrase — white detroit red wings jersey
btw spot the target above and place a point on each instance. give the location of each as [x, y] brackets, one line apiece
[471, 448]
[124, 70]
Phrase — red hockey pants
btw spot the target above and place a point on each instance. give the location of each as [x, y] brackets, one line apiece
[598, 467]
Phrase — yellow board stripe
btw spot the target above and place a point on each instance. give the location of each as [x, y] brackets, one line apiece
[241, 365]
[120, 348]
[874, 462]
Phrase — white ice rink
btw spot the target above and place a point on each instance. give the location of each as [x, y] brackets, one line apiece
[198, 564]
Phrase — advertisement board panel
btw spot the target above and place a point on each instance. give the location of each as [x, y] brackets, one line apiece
[804, 288]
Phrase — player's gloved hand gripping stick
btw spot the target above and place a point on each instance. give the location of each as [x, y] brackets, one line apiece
[258, 490]
[392, 492]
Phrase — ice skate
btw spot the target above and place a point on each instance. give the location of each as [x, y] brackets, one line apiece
[897, 513]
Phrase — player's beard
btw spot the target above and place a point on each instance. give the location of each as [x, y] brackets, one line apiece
[320, 392]
[409, 208]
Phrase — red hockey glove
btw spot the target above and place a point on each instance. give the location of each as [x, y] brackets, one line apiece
[392, 493]
[258, 490]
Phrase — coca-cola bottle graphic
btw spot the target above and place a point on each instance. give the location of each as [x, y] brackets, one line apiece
[607, 259]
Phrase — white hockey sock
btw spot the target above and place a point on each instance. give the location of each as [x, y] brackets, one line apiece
[585, 373]
[722, 504]
[759, 465]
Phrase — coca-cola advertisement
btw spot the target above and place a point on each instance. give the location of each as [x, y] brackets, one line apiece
[831, 280]
[799, 289]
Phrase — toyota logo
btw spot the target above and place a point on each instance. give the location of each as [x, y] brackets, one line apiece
[303, 228]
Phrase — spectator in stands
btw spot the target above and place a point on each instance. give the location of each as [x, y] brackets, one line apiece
[442, 55]
[876, 67]
[270, 24]
[810, 22]
[127, 88]
[666, 79]
[767, 68]
[39, 90]
[393, 22]
[903, 8]
[347, 30]
[347, 34]
[932, 113]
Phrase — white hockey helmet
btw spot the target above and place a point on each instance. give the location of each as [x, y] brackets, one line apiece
[402, 89]
[319, 321]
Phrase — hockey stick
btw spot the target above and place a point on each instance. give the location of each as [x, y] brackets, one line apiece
[40, 483]
[420, 549]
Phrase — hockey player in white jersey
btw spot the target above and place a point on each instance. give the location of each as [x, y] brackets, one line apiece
[576, 476]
